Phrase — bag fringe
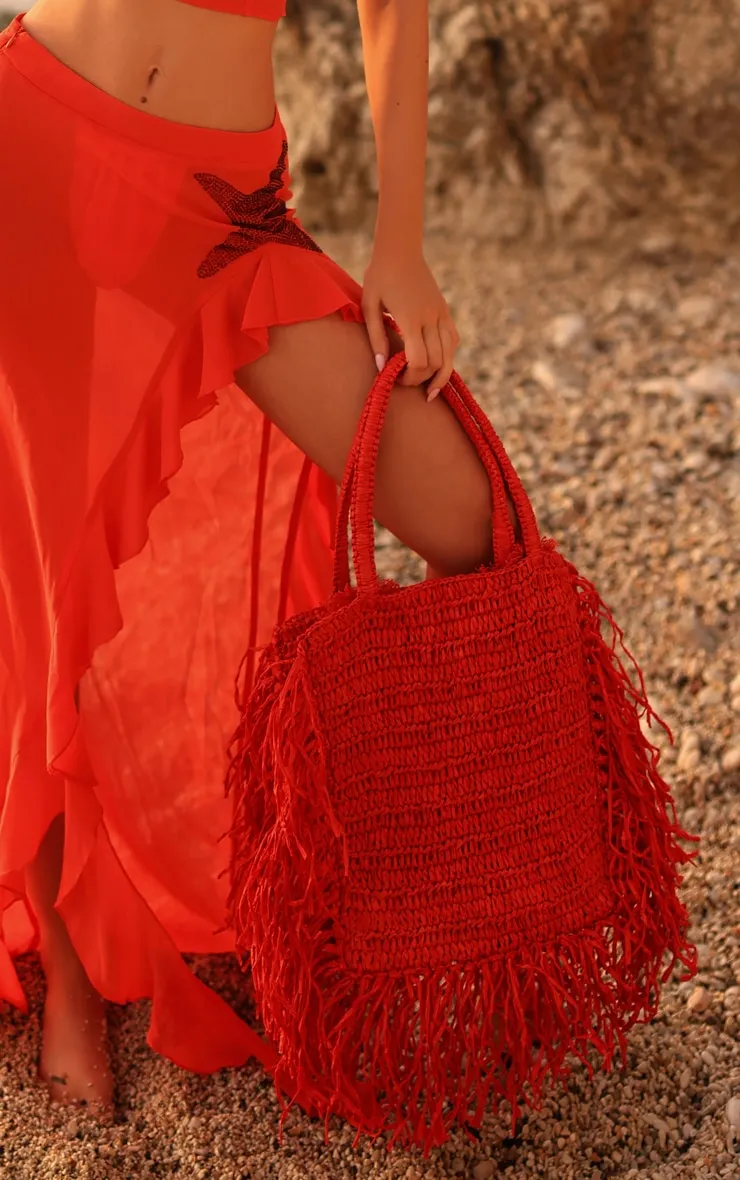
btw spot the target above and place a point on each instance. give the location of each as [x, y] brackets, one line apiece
[412, 1053]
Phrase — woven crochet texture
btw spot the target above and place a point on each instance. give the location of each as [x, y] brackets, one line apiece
[454, 860]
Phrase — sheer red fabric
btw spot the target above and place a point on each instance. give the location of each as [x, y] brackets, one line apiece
[143, 501]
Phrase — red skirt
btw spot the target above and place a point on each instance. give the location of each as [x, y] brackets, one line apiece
[145, 504]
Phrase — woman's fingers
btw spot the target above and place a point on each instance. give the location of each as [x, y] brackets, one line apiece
[435, 350]
[430, 353]
[449, 339]
[418, 368]
[375, 324]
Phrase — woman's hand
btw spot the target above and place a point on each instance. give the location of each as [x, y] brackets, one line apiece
[402, 283]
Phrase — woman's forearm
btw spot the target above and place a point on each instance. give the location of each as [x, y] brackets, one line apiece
[395, 41]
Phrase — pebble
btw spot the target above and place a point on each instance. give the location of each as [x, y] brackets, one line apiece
[714, 381]
[694, 461]
[660, 1125]
[731, 759]
[703, 955]
[685, 1079]
[699, 1000]
[457, 1166]
[484, 1170]
[567, 329]
[710, 695]
[689, 754]
[732, 1111]
[698, 310]
[560, 378]
[661, 387]
[641, 301]
[657, 245]
[698, 635]
[731, 999]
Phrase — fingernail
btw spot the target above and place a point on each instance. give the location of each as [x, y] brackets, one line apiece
[380, 361]
[432, 394]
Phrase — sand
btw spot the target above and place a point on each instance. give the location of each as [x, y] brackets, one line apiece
[614, 378]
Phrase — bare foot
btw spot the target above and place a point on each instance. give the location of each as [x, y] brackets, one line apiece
[74, 1061]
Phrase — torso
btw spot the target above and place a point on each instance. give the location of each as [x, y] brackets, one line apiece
[174, 61]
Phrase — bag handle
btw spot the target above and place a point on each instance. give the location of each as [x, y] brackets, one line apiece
[358, 487]
[341, 543]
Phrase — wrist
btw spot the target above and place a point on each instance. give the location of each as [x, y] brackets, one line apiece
[398, 240]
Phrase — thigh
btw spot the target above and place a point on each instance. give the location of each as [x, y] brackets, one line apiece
[432, 490]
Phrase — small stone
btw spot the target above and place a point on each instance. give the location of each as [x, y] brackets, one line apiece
[714, 381]
[660, 1125]
[689, 754]
[657, 245]
[560, 379]
[710, 695]
[732, 1112]
[457, 1166]
[699, 636]
[413, 1173]
[566, 330]
[708, 1059]
[641, 301]
[484, 1170]
[688, 1131]
[685, 1079]
[698, 310]
[603, 458]
[661, 387]
[731, 759]
[694, 461]
[690, 737]
[735, 686]
[699, 1000]
[731, 999]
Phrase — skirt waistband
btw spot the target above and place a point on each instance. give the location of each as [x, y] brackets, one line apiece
[60, 83]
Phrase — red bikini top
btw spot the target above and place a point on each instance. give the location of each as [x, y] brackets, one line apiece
[265, 9]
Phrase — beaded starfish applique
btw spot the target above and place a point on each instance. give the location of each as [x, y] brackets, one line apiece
[259, 216]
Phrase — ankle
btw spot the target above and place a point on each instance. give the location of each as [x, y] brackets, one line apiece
[58, 955]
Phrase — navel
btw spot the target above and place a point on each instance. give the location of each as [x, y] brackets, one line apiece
[151, 79]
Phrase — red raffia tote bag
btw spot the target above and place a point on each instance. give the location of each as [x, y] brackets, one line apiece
[454, 859]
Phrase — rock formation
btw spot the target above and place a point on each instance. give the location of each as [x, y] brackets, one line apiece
[556, 114]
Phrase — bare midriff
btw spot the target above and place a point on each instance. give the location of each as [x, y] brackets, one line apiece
[177, 62]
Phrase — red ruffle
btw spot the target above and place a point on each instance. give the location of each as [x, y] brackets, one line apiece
[153, 575]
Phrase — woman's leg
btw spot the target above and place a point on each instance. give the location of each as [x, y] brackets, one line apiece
[74, 1060]
[432, 490]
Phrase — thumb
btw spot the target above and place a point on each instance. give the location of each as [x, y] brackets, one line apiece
[375, 325]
